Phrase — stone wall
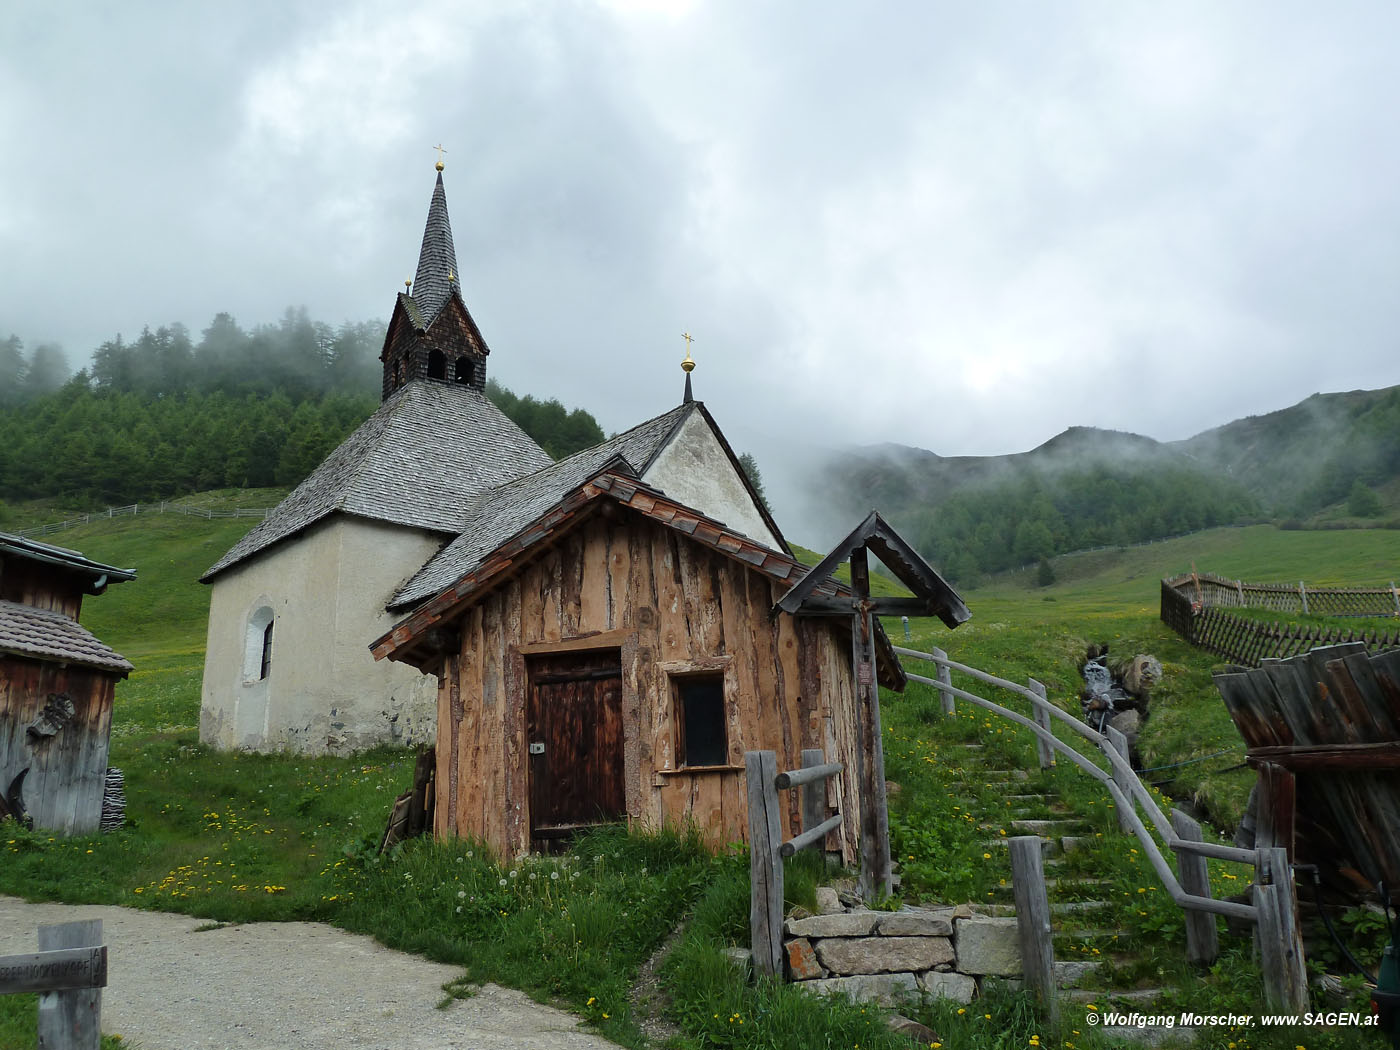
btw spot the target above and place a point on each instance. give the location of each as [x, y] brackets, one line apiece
[883, 956]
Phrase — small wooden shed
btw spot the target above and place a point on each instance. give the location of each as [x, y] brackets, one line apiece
[611, 654]
[57, 682]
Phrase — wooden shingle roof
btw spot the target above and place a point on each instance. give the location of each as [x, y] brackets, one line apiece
[500, 513]
[419, 461]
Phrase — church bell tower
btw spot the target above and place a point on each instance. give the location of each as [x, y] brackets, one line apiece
[431, 334]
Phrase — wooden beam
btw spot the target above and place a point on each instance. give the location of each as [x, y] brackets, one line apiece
[59, 970]
[1202, 936]
[875, 873]
[70, 1020]
[765, 867]
[1033, 919]
[1385, 755]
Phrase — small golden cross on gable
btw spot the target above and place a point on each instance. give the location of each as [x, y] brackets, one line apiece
[688, 340]
[440, 152]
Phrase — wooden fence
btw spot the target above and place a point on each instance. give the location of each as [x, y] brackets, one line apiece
[766, 848]
[1210, 591]
[130, 509]
[69, 972]
[1274, 898]
[1250, 642]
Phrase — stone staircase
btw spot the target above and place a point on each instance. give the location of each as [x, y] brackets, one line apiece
[1081, 914]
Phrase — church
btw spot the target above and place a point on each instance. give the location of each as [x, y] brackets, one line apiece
[392, 512]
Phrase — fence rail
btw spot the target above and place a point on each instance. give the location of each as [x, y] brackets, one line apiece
[767, 848]
[1279, 944]
[163, 507]
[1250, 642]
[1211, 591]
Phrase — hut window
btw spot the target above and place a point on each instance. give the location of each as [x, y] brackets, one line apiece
[700, 719]
[257, 646]
[462, 371]
[437, 365]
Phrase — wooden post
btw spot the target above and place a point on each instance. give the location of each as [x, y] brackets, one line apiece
[70, 1020]
[875, 871]
[765, 867]
[1122, 778]
[813, 794]
[1280, 945]
[1033, 919]
[1395, 593]
[945, 677]
[1303, 594]
[1042, 719]
[1202, 937]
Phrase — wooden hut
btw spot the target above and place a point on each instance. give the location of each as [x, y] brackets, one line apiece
[605, 652]
[56, 686]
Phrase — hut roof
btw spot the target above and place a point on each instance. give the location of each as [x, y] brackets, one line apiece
[616, 482]
[418, 461]
[43, 634]
[97, 574]
[500, 513]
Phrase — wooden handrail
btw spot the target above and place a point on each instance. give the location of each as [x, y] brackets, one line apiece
[1123, 801]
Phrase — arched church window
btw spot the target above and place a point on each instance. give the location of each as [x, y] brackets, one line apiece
[257, 646]
[437, 365]
[463, 371]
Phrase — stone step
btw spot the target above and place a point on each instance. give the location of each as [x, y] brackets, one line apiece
[1072, 842]
[1029, 798]
[1048, 847]
[1100, 996]
[1054, 884]
[1075, 907]
[1051, 828]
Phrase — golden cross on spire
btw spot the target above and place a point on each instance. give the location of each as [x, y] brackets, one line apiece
[440, 152]
[688, 364]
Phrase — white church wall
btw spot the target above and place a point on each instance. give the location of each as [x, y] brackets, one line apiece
[323, 691]
[694, 469]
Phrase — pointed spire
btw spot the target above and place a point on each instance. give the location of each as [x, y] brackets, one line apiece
[437, 260]
[688, 366]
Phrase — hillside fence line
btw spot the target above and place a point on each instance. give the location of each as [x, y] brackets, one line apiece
[1193, 605]
[164, 507]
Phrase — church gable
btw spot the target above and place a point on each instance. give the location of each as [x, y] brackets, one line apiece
[698, 468]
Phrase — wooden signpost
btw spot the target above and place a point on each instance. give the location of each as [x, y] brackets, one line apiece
[69, 972]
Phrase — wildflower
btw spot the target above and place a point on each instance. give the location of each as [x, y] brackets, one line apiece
[514, 873]
[986, 856]
[461, 894]
[553, 876]
[503, 882]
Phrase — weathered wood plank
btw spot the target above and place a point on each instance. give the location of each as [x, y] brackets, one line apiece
[1202, 936]
[1033, 919]
[1123, 778]
[1044, 751]
[60, 970]
[70, 1020]
[1280, 945]
[765, 867]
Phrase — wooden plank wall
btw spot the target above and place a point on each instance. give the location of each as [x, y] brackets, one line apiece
[671, 606]
[68, 771]
[41, 586]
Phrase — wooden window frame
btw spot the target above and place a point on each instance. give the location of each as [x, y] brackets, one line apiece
[678, 679]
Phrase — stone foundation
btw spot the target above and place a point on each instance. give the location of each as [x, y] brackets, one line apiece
[879, 956]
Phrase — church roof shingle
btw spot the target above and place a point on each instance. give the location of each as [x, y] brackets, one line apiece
[437, 259]
[419, 461]
[501, 512]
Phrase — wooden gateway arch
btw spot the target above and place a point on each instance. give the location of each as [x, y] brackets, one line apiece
[932, 596]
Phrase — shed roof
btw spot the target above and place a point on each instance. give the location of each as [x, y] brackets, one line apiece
[418, 461]
[501, 512]
[43, 634]
[614, 482]
[98, 575]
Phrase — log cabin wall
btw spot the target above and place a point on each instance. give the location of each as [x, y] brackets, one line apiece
[671, 607]
[67, 771]
[42, 586]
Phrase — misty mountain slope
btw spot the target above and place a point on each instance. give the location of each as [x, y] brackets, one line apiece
[1087, 487]
[1302, 458]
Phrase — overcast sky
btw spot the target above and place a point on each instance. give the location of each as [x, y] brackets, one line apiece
[958, 226]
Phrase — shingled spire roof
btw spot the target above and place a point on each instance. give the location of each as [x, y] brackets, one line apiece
[437, 260]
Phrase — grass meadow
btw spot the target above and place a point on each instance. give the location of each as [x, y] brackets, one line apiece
[239, 837]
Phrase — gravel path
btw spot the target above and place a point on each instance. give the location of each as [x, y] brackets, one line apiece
[286, 986]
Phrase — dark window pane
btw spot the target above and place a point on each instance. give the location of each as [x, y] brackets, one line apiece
[266, 651]
[702, 707]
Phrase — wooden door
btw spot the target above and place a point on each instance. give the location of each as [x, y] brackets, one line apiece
[574, 726]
